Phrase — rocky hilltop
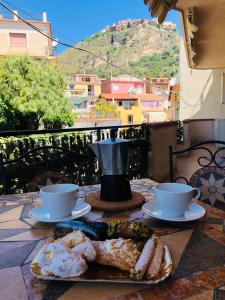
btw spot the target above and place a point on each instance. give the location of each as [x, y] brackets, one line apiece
[141, 46]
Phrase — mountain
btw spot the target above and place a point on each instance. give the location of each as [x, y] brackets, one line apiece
[142, 47]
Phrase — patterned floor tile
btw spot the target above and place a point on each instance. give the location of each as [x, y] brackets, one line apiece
[219, 294]
[35, 250]
[38, 225]
[16, 257]
[7, 207]
[12, 285]
[14, 224]
[219, 272]
[212, 220]
[13, 214]
[6, 233]
[32, 235]
[181, 289]
[218, 227]
[7, 203]
[215, 234]
[26, 210]
[35, 287]
[153, 293]
[201, 254]
[205, 280]
[177, 243]
[5, 247]
[102, 291]
[208, 295]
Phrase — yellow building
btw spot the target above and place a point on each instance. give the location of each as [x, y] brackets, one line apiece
[126, 106]
[83, 85]
[18, 38]
[83, 90]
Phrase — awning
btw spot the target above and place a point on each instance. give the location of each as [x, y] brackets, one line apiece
[160, 8]
[203, 23]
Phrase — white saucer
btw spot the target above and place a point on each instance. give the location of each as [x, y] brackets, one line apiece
[194, 212]
[41, 215]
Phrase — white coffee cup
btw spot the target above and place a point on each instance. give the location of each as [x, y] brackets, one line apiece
[59, 199]
[173, 199]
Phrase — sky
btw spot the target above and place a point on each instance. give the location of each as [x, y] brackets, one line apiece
[74, 20]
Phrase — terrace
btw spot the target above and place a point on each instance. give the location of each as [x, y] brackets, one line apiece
[148, 154]
[38, 158]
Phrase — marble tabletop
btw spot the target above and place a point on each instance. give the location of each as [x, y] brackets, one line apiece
[197, 250]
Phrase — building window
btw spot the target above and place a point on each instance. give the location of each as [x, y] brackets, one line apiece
[115, 87]
[130, 119]
[71, 86]
[86, 79]
[18, 39]
[90, 90]
[120, 103]
[223, 88]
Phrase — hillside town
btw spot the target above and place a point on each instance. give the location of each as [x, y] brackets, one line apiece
[120, 100]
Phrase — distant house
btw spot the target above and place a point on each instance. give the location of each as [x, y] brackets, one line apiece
[84, 90]
[133, 104]
[126, 105]
[124, 84]
[153, 107]
[18, 38]
[157, 85]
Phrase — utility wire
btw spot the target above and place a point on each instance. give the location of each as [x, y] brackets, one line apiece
[36, 16]
[74, 47]
[68, 45]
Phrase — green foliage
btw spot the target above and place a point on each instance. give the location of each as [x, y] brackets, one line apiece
[104, 109]
[32, 93]
[158, 65]
[138, 49]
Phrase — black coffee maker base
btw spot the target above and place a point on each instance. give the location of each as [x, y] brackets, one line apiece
[115, 188]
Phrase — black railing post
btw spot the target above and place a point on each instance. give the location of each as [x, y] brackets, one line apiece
[98, 134]
[113, 133]
[171, 163]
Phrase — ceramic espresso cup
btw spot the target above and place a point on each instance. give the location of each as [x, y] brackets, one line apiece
[59, 199]
[173, 199]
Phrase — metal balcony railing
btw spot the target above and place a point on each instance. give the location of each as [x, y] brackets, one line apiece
[33, 154]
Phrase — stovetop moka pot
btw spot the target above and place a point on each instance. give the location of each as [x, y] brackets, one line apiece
[113, 156]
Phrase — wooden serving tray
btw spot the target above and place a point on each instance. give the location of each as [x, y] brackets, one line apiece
[98, 204]
[99, 273]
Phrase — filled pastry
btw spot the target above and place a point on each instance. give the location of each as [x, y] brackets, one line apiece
[72, 239]
[86, 250]
[156, 262]
[119, 253]
[143, 260]
[58, 260]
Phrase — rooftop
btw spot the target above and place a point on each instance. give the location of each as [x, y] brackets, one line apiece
[119, 96]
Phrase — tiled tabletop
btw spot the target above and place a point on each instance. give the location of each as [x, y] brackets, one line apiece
[197, 250]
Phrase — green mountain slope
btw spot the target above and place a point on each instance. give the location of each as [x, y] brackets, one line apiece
[139, 46]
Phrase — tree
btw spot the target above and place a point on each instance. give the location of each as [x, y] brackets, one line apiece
[32, 93]
[104, 109]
